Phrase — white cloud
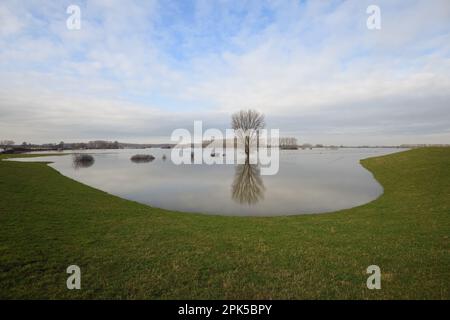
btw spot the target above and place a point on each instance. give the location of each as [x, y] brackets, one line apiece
[9, 23]
[128, 73]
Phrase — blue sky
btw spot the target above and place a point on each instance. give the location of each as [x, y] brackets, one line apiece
[137, 70]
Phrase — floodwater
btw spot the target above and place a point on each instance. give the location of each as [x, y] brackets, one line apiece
[308, 181]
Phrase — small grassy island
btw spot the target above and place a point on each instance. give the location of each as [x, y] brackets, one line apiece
[129, 250]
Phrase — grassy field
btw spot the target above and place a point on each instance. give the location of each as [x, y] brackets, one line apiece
[128, 250]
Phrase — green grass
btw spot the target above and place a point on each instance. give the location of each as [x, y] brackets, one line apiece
[128, 250]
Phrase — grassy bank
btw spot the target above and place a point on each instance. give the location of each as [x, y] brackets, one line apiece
[129, 250]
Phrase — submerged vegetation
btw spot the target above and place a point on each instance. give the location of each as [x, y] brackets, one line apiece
[82, 160]
[129, 250]
[142, 158]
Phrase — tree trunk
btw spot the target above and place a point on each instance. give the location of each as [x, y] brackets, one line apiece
[247, 146]
[257, 140]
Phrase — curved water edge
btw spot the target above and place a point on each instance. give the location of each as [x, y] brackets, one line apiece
[309, 181]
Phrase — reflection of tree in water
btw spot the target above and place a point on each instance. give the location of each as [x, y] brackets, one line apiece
[82, 161]
[247, 186]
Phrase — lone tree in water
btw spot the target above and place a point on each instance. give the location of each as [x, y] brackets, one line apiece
[247, 125]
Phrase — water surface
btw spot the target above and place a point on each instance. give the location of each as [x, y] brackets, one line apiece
[308, 181]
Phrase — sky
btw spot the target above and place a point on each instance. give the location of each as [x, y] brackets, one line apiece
[137, 70]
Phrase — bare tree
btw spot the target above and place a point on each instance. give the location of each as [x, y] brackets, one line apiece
[247, 125]
[6, 143]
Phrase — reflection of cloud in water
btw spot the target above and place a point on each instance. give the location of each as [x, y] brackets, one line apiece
[247, 186]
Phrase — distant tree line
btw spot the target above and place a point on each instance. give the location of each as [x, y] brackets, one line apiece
[9, 146]
[98, 144]
[6, 144]
[288, 143]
